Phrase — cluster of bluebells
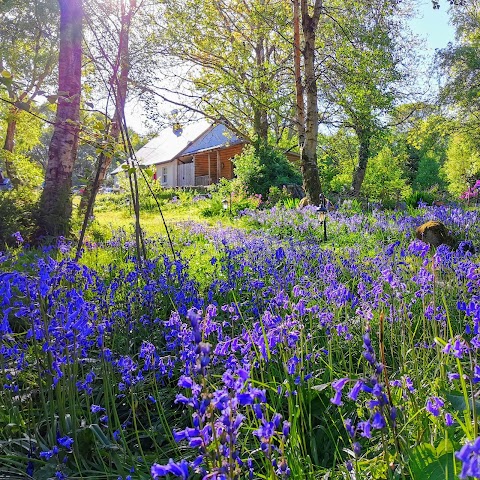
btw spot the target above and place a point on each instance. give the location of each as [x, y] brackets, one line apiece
[380, 412]
[59, 453]
[218, 416]
[217, 435]
[268, 298]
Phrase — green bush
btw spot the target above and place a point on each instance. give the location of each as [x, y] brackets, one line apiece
[428, 174]
[385, 179]
[17, 213]
[25, 172]
[260, 167]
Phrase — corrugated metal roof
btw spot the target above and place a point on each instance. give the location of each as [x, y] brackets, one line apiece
[195, 137]
[169, 145]
[213, 138]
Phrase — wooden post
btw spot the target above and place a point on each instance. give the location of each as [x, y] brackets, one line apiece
[194, 171]
[209, 169]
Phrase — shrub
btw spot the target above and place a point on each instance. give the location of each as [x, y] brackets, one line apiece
[25, 172]
[428, 174]
[462, 164]
[385, 179]
[17, 212]
[260, 167]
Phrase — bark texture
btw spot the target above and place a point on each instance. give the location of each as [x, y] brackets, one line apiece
[259, 109]
[9, 145]
[55, 203]
[307, 118]
[363, 154]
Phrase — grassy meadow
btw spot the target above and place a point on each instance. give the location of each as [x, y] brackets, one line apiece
[257, 350]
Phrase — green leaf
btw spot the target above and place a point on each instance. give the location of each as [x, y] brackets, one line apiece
[100, 435]
[6, 74]
[446, 446]
[457, 400]
[107, 444]
[442, 469]
[426, 464]
[421, 456]
[46, 472]
[440, 341]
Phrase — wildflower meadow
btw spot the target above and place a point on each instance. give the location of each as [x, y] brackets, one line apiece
[256, 351]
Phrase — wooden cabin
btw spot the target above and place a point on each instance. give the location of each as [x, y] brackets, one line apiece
[198, 154]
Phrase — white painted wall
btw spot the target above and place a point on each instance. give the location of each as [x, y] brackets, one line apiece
[171, 174]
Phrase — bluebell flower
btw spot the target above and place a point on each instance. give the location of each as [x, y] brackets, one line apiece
[378, 422]
[469, 455]
[448, 420]
[18, 237]
[48, 454]
[434, 405]
[179, 470]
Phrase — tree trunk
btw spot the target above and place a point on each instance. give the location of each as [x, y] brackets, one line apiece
[120, 87]
[260, 124]
[308, 154]
[363, 154]
[260, 119]
[56, 203]
[297, 53]
[9, 145]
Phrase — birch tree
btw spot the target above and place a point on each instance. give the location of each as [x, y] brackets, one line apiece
[56, 203]
[308, 16]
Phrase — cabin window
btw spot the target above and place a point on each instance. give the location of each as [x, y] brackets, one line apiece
[164, 175]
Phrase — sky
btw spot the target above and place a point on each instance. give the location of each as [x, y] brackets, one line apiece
[431, 25]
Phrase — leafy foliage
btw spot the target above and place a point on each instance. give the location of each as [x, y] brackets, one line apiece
[386, 179]
[17, 211]
[364, 76]
[240, 72]
[462, 164]
[260, 167]
[416, 197]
